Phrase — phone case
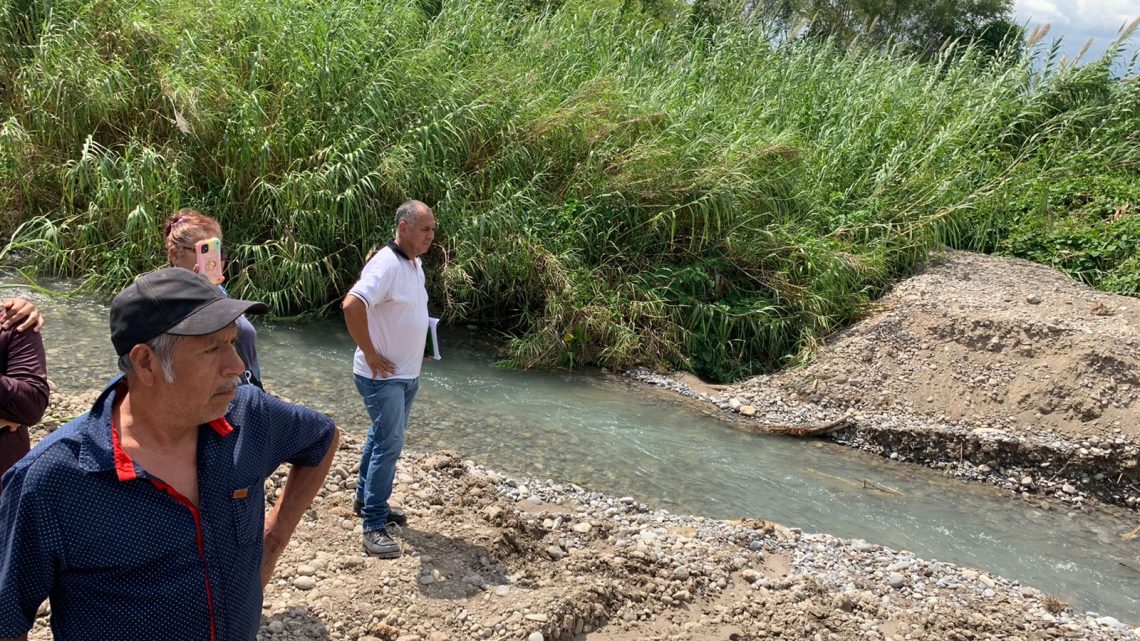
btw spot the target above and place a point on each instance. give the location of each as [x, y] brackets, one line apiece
[209, 254]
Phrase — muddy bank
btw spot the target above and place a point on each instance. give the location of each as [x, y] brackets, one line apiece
[991, 369]
[486, 556]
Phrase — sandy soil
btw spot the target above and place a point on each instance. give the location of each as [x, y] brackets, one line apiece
[491, 557]
[991, 368]
[1004, 364]
[993, 340]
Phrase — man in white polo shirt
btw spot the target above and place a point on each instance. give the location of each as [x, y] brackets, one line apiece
[386, 314]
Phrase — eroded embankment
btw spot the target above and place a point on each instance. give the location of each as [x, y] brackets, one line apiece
[989, 368]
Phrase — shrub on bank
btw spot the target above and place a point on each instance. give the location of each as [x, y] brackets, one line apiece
[611, 187]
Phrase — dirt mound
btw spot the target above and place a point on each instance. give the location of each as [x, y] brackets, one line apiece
[989, 368]
[993, 340]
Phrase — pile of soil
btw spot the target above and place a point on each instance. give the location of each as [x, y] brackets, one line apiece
[991, 368]
[993, 340]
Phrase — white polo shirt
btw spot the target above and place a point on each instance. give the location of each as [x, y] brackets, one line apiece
[393, 290]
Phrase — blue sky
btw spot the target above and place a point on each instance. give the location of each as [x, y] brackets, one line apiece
[1075, 21]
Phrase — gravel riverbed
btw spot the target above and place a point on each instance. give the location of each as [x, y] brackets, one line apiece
[487, 556]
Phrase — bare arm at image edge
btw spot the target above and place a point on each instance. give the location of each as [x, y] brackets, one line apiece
[356, 319]
[300, 489]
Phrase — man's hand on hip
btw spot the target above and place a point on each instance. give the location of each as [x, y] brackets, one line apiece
[380, 366]
[356, 319]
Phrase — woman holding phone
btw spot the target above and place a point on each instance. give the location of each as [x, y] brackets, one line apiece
[190, 244]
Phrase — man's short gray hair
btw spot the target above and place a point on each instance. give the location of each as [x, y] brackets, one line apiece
[163, 348]
[408, 211]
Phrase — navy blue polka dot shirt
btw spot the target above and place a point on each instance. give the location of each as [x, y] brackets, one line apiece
[123, 556]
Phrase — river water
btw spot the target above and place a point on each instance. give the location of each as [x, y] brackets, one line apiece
[619, 438]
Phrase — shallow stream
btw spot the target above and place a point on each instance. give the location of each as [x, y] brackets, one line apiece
[622, 439]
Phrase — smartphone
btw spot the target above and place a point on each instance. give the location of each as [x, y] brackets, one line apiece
[209, 254]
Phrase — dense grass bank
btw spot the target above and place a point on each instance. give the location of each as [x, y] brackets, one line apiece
[611, 187]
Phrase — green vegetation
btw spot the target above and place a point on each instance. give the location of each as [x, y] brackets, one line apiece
[615, 182]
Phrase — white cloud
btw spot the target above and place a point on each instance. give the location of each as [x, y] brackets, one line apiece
[1075, 21]
[1093, 17]
[1037, 11]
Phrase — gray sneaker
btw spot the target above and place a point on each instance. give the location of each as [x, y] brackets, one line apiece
[377, 543]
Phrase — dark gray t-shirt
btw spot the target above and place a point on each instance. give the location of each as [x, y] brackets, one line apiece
[247, 347]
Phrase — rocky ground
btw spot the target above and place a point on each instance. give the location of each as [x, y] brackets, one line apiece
[991, 369]
[1001, 371]
[491, 557]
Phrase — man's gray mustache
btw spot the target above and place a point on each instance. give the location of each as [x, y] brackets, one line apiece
[230, 386]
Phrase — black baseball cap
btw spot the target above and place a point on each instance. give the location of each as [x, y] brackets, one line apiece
[172, 301]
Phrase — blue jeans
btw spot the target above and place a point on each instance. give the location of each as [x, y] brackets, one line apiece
[389, 402]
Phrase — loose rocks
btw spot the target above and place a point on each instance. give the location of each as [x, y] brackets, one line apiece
[480, 564]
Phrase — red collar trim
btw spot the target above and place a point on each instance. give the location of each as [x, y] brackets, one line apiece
[125, 465]
[221, 426]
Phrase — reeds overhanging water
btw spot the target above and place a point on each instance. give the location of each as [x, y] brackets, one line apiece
[612, 187]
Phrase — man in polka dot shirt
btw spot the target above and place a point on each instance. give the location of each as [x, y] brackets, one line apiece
[144, 518]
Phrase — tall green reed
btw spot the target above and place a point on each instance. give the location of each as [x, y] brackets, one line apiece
[611, 188]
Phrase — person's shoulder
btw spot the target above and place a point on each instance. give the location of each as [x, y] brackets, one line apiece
[251, 398]
[382, 259]
[255, 407]
[30, 337]
[246, 398]
[16, 340]
[58, 454]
